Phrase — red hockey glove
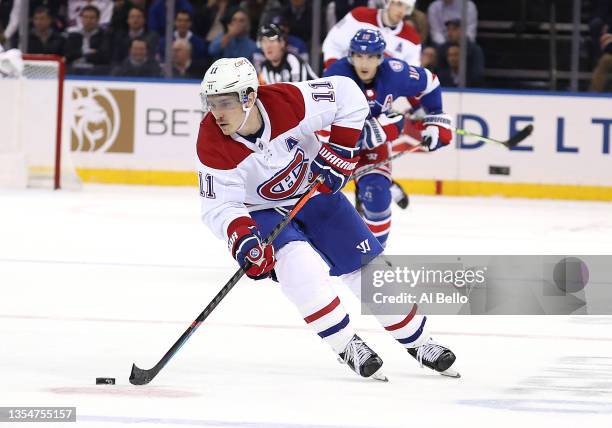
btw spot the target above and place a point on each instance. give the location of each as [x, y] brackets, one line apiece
[438, 131]
[245, 244]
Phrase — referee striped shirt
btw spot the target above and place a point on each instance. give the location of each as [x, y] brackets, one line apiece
[291, 69]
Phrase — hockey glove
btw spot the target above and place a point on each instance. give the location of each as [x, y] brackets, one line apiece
[246, 247]
[335, 164]
[377, 131]
[438, 131]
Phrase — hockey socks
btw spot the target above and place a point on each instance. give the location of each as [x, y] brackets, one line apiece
[410, 330]
[305, 281]
[375, 198]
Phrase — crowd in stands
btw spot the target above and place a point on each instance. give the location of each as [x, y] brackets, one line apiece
[127, 37]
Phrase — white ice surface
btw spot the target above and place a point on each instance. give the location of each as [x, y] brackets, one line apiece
[92, 281]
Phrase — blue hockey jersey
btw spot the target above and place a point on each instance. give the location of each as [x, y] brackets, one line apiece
[394, 79]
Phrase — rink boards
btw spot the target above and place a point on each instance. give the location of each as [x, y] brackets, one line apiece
[144, 132]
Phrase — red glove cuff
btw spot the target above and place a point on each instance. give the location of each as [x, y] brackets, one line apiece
[237, 229]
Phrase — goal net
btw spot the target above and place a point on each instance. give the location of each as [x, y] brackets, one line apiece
[32, 150]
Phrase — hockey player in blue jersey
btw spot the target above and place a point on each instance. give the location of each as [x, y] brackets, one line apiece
[383, 80]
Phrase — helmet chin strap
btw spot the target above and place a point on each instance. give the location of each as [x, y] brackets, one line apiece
[247, 111]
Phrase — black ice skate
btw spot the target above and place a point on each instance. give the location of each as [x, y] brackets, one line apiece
[363, 360]
[399, 195]
[436, 357]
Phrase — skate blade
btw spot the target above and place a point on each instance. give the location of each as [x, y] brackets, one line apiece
[450, 373]
[379, 376]
[376, 376]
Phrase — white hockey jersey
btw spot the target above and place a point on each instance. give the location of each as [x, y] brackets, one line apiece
[403, 41]
[238, 176]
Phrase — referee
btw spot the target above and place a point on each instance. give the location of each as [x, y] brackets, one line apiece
[280, 65]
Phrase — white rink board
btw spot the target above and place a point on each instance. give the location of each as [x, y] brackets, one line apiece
[567, 146]
[28, 116]
[165, 123]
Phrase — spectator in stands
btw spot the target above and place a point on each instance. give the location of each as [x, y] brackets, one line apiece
[88, 50]
[418, 19]
[43, 39]
[57, 9]
[182, 30]
[119, 18]
[254, 9]
[136, 28]
[600, 27]
[207, 21]
[140, 3]
[10, 12]
[442, 11]
[601, 15]
[448, 74]
[474, 60]
[298, 14]
[9, 17]
[75, 7]
[138, 63]
[429, 58]
[235, 41]
[157, 14]
[183, 66]
[602, 74]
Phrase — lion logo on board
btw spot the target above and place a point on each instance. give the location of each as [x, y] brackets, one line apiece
[102, 120]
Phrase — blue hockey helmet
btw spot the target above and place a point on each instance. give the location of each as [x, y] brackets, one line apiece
[369, 42]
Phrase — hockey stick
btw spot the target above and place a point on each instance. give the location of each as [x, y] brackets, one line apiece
[139, 376]
[511, 142]
[384, 162]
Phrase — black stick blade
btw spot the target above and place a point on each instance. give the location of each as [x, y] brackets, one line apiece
[519, 136]
[140, 376]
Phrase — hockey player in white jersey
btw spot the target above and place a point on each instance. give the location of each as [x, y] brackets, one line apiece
[403, 41]
[257, 154]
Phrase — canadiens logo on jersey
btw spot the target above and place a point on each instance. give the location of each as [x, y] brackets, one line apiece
[287, 181]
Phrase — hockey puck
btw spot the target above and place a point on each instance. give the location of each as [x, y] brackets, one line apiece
[105, 381]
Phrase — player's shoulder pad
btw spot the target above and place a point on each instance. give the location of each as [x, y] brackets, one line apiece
[410, 33]
[284, 104]
[342, 67]
[365, 14]
[394, 66]
[216, 150]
